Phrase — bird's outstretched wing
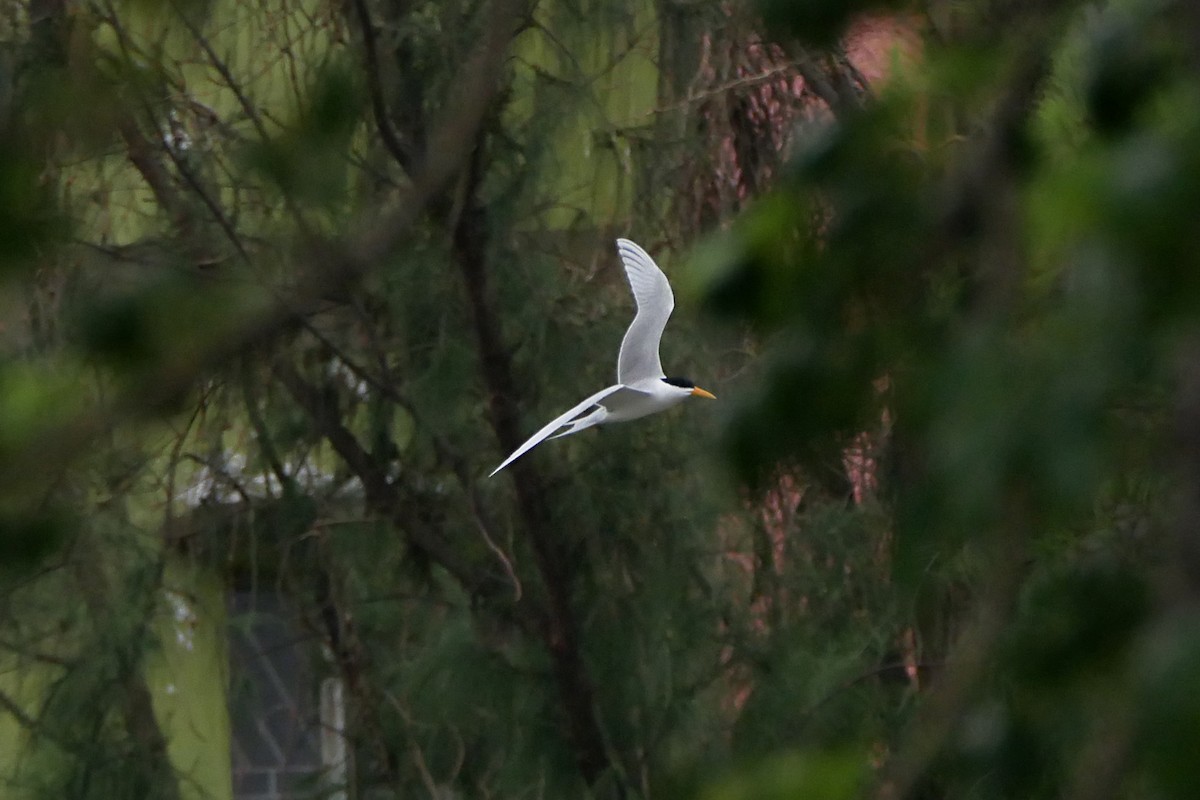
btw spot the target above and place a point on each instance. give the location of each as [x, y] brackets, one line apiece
[565, 420]
[639, 360]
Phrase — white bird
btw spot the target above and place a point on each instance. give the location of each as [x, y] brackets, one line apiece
[641, 388]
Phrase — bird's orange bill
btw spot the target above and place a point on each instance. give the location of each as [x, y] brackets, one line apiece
[698, 392]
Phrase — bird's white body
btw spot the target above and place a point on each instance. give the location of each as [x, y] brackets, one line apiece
[642, 388]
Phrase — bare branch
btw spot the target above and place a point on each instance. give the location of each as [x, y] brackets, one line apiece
[383, 121]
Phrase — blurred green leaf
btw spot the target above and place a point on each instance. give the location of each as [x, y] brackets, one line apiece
[828, 775]
[1169, 706]
[308, 160]
[1124, 66]
[28, 534]
[29, 215]
[1077, 627]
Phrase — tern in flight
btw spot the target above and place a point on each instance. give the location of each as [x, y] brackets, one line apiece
[641, 388]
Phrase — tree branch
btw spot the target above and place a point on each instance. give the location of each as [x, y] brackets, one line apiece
[141, 154]
[16, 712]
[403, 155]
[381, 495]
[330, 266]
[560, 627]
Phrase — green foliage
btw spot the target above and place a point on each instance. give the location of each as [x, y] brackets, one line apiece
[306, 163]
[833, 775]
[1167, 711]
[1076, 628]
[1127, 61]
[924, 553]
[28, 535]
[1008, 309]
[29, 218]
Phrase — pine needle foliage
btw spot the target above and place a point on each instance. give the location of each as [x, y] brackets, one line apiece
[281, 283]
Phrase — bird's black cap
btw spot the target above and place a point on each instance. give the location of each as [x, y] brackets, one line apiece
[682, 383]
